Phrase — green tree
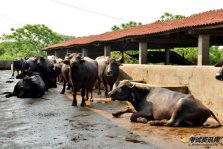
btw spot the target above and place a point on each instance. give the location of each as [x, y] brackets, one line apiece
[28, 40]
[125, 25]
[168, 16]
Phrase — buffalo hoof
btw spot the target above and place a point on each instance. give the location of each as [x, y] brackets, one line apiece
[116, 114]
[142, 120]
[62, 92]
[74, 104]
[83, 104]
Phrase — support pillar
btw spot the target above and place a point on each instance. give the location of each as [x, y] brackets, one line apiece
[167, 56]
[203, 49]
[84, 52]
[55, 53]
[67, 51]
[107, 51]
[142, 52]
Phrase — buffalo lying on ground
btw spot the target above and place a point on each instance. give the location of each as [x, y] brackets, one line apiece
[30, 86]
[219, 74]
[108, 71]
[83, 74]
[161, 106]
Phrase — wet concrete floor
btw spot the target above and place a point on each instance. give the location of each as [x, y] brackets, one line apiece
[51, 122]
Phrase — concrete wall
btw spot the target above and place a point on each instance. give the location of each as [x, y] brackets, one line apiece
[199, 79]
[5, 65]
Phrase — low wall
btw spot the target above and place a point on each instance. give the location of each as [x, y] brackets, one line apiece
[5, 65]
[200, 81]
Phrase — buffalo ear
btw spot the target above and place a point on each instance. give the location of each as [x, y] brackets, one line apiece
[82, 61]
[119, 64]
[67, 62]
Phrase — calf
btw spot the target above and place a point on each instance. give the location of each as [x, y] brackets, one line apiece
[29, 86]
[161, 106]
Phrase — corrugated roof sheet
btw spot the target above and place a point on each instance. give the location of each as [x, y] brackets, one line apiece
[201, 19]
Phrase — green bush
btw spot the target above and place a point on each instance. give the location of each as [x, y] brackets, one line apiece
[6, 57]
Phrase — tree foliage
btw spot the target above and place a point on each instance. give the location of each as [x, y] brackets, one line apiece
[168, 16]
[125, 25]
[28, 40]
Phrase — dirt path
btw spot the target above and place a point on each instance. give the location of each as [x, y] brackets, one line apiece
[51, 122]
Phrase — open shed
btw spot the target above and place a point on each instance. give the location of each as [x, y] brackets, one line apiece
[200, 30]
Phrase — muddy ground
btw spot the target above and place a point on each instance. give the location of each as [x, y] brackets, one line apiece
[51, 122]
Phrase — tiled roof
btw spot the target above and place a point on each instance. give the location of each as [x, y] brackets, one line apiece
[201, 19]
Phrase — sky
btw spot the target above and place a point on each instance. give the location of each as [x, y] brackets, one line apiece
[89, 17]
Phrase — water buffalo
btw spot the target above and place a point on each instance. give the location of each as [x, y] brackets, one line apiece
[219, 74]
[108, 71]
[44, 67]
[83, 73]
[17, 66]
[30, 86]
[65, 75]
[161, 106]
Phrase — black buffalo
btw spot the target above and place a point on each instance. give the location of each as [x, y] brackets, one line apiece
[219, 74]
[108, 71]
[161, 106]
[83, 74]
[17, 65]
[30, 86]
[44, 67]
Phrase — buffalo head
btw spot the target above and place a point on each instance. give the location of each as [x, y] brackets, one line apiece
[123, 92]
[219, 74]
[112, 67]
[74, 59]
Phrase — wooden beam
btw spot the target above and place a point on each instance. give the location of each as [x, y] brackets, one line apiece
[203, 32]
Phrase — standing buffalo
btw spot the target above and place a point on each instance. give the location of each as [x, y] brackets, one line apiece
[83, 73]
[161, 106]
[30, 86]
[108, 71]
[219, 74]
[65, 75]
[17, 66]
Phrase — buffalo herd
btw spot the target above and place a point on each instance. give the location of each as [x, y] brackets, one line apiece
[159, 106]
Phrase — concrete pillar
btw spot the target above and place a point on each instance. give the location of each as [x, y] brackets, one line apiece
[67, 51]
[142, 52]
[203, 49]
[107, 51]
[167, 56]
[84, 52]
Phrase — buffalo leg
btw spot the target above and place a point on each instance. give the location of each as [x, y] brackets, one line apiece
[64, 86]
[111, 87]
[74, 103]
[99, 87]
[174, 121]
[82, 95]
[141, 117]
[119, 113]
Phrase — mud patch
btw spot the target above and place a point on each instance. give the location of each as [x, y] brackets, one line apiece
[50, 114]
[135, 139]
